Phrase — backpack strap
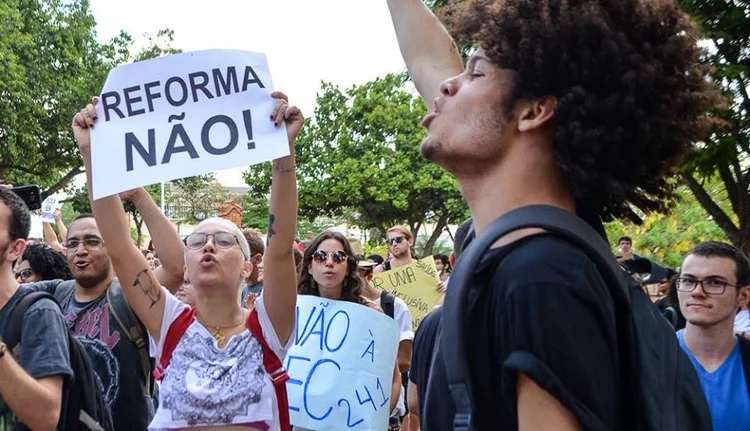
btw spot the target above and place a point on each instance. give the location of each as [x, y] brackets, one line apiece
[274, 368]
[555, 220]
[12, 335]
[387, 301]
[64, 292]
[123, 314]
[174, 334]
[745, 354]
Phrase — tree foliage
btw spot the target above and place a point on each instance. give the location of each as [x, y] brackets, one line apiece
[80, 204]
[50, 66]
[195, 199]
[726, 29]
[359, 160]
[667, 238]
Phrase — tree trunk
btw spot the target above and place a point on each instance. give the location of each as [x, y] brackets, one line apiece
[439, 227]
[739, 236]
[138, 230]
[64, 181]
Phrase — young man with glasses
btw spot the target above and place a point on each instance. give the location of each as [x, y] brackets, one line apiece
[98, 314]
[713, 284]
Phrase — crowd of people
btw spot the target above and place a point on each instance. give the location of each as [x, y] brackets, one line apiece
[584, 106]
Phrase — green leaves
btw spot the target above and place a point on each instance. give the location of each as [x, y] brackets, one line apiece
[358, 159]
[726, 28]
[50, 66]
[197, 198]
[666, 239]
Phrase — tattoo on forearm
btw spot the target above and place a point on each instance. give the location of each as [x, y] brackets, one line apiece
[271, 231]
[278, 168]
[143, 281]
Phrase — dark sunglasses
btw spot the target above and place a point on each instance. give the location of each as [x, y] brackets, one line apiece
[24, 274]
[222, 240]
[396, 239]
[321, 256]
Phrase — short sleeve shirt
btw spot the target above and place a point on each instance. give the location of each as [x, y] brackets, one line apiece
[725, 388]
[43, 350]
[547, 313]
[114, 358]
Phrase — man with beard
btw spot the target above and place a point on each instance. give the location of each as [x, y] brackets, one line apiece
[400, 242]
[96, 311]
[31, 380]
[582, 105]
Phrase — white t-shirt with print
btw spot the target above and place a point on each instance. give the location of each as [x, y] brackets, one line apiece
[206, 385]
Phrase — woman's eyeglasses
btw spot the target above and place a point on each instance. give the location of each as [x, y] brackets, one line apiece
[321, 256]
[195, 241]
[394, 240]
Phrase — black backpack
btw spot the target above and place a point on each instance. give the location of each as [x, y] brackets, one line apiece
[123, 314]
[84, 407]
[745, 354]
[387, 300]
[661, 390]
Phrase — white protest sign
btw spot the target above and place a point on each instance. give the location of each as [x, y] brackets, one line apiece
[183, 115]
[37, 229]
[341, 366]
[48, 209]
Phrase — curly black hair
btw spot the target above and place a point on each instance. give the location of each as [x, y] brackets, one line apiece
[47, 263]
[351, 290]
[632, 94]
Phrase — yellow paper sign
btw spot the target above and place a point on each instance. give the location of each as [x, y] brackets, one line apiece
[415, 283]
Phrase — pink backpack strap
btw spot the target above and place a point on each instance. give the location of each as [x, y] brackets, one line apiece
[273, 367]
[174, 334]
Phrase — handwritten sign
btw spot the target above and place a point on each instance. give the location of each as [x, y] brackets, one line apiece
[183, 115]
[341, 366]
[48, 209]
[416, 284]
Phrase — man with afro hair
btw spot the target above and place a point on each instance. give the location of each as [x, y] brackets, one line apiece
[585, 105]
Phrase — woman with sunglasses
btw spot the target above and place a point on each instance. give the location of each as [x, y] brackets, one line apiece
[215, 377]
[330, 270]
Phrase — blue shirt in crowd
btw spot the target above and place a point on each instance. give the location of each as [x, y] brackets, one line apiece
[725, 389]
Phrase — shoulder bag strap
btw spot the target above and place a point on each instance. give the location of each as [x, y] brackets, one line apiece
[123, 314]
[274, 368]
[387, 300]
[745, 354]
[174, 334]
[454, 331]
[12, 335]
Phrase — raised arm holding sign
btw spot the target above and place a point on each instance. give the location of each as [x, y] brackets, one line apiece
[205, 382]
